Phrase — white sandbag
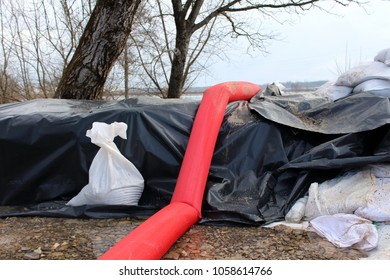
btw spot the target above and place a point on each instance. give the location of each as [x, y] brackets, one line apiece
[347, 230]
[383, 56]
[113, 179]
[377, 207]
[274, 89]
[381, 173]
[333, 91]
[297, 212]
[362, 73]
[364, 192]
[374, 85]
[343, 194]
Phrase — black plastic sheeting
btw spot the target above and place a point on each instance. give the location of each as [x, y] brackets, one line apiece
[268, 152]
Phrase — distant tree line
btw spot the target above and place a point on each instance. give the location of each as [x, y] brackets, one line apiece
[303, 85]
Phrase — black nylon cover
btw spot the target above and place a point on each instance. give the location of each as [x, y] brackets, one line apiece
[265, 157]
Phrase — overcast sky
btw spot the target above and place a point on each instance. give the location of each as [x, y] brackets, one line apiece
[318, 46]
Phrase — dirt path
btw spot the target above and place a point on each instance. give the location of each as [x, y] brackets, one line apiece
[85, 239]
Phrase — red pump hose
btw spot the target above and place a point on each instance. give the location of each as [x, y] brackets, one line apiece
[153, 238]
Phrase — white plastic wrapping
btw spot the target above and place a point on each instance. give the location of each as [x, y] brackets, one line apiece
[347, 230]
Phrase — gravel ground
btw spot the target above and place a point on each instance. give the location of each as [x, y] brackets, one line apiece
[33, 238]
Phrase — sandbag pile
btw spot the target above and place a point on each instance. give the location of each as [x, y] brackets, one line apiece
[371, 77]
[344, 208]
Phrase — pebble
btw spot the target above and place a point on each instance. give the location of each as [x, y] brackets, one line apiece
[24, 249]
[31, 256]
[38, 251]
[55, 246]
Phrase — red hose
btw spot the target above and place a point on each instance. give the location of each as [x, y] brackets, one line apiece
[197, 158]
[153, 238]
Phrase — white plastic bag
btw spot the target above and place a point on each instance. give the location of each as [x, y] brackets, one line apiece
[347, 230]
[113, 180]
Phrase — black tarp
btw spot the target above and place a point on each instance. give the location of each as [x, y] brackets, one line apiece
[268, 152]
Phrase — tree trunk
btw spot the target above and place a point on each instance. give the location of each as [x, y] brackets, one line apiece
[126, 70]
[176, 79]
[103, 40]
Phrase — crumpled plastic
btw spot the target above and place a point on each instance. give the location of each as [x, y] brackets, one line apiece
[113, 179]
[347, 230]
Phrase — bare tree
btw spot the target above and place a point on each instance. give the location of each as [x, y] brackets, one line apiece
[4, 78]
[38, 38]
[102, 42]
[130, 61]
[64, 23]
[152, 44]
[47, 41]
[192, 15]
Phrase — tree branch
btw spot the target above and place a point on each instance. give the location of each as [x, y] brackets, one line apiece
[252, 5]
